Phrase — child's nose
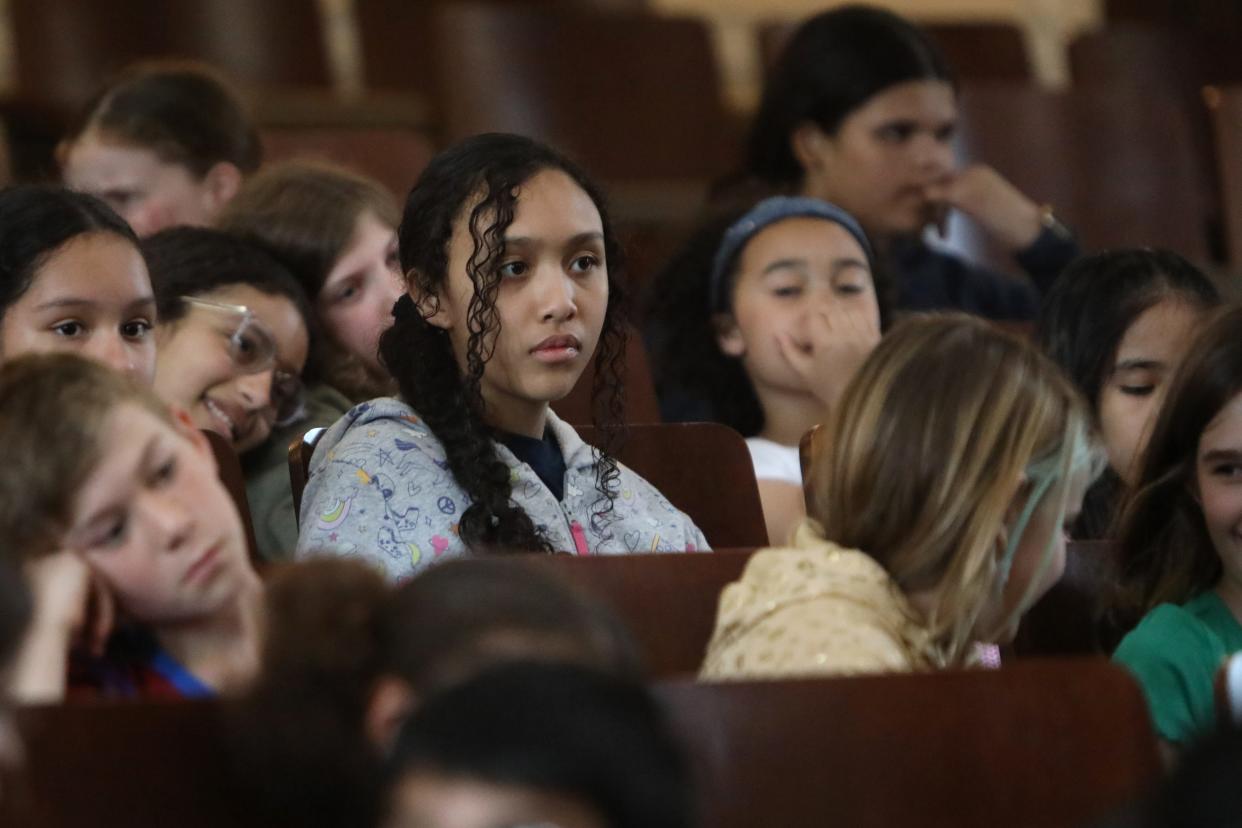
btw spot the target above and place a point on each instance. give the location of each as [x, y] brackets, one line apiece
[256, 390]
[556, 296]
[110, 349]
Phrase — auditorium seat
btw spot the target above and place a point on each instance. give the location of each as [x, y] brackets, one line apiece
[397, 42]
[393, 156]
[976, 50]
[705, 470]
[668, 602]
[1212, 15]
[1176, 64]
[641, 405]
[125, 765]
[633, 97]
[66, 48]
[1225, 110]
[1037, 744]
[229, 469]
[1117, 165]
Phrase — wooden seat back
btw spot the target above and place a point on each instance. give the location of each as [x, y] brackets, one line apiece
[393, 156]
[551, 73]
[668, 602]
[66, 48]
[1117, 165]
[1036, 744]
[705, 470]
[125, 765]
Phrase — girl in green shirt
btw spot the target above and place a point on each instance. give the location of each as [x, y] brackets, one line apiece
[1182, 538]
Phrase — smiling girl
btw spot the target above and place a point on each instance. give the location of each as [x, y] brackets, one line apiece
[135, 552]
[73, 279]
[233, 334]
[511, 284]
[1180, 538]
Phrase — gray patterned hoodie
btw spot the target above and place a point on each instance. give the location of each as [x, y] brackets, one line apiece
[380, 489]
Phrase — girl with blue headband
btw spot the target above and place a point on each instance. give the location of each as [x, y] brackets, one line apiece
[793, 303]
[939, 513]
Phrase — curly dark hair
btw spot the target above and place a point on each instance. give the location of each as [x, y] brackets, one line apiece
[490, 168]
[694, 379]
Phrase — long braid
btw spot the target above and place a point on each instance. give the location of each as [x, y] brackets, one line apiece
[478, 181]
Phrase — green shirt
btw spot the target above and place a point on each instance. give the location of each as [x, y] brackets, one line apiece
[1174, 653]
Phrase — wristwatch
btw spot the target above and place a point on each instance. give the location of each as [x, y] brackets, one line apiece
[1048, 218]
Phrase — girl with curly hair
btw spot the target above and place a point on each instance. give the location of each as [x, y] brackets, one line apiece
[512, 281]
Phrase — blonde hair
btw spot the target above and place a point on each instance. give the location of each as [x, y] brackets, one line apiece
[930, 444]
[53, 412]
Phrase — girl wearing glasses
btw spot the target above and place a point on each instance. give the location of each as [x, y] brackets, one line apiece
[233, 335]
[73, 279]
[512, 284]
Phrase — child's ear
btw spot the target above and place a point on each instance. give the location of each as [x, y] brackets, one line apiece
[221, 183]
[728, 335]
[390, 705]
[184, 425]
[431, 306]
[810, 146]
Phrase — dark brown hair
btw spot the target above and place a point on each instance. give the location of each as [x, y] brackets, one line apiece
[1167, 554]
[335, 628]
[184, 112]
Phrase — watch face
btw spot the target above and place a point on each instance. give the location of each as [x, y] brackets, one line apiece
[1049, 219]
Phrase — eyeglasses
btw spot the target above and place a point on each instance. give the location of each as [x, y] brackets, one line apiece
[253, 350]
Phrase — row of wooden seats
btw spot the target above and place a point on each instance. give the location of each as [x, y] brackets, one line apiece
[669, 602]
[1043, 743]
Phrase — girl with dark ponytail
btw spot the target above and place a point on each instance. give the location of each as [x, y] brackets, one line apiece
[511, 272]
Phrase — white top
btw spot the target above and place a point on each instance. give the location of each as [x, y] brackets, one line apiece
[774, 461]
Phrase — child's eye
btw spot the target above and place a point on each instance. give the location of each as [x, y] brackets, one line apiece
[895, 133]
[584, 264]
[70, 329]
[165, 473]
[136, 329]
[1137, 390]
[946, 133]
[114, 533]
[513, 269]
[346, 293]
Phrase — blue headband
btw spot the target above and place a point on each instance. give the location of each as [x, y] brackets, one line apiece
[764, 214]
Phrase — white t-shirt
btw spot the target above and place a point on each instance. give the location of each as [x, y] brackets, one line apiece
[774, 461]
